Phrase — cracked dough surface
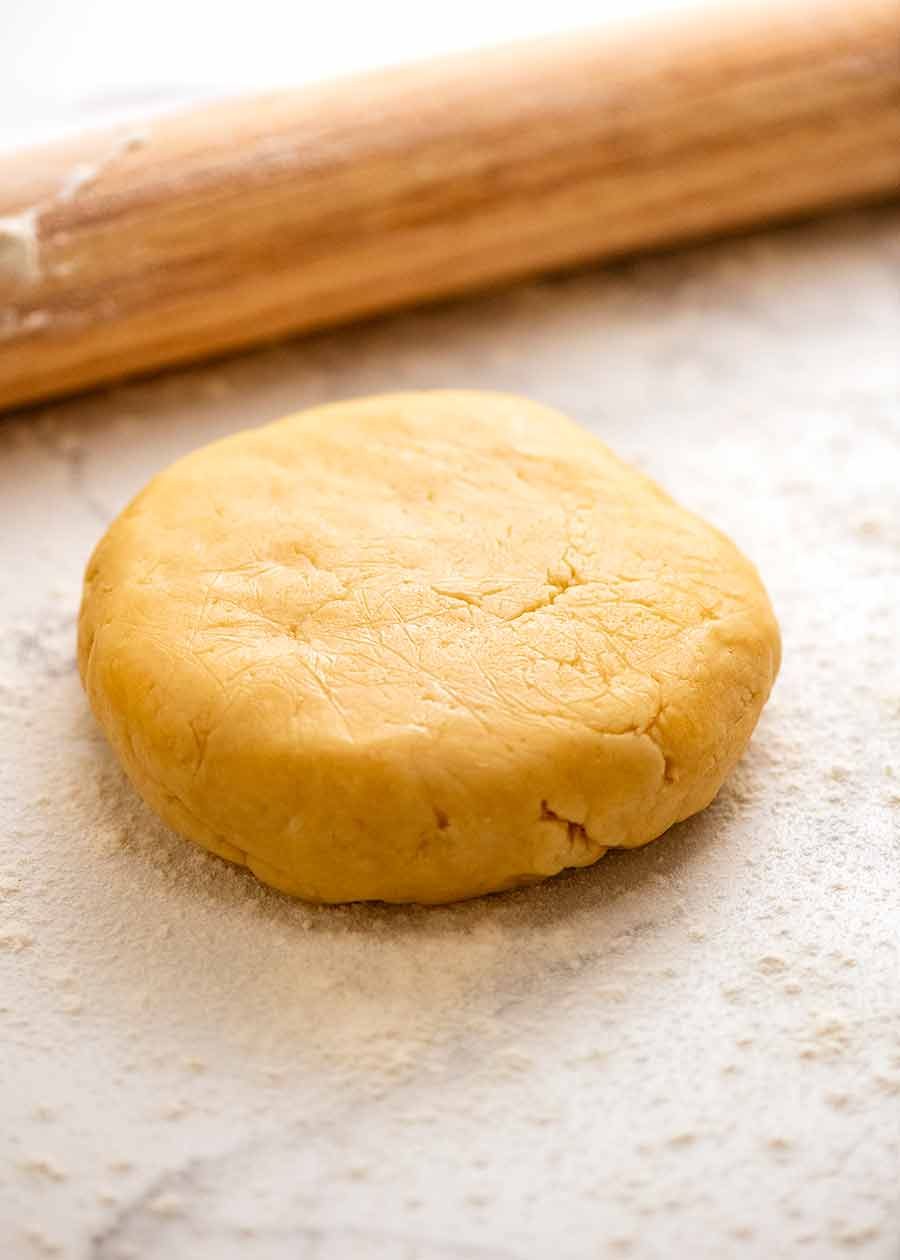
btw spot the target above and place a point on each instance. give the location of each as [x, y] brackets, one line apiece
[420, 647]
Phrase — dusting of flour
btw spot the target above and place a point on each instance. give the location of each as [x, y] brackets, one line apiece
[689, 1050]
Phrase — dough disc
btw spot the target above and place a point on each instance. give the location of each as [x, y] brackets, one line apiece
[420, 647]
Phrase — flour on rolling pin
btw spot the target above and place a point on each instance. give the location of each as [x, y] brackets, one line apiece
[20, 240]
[19, 246]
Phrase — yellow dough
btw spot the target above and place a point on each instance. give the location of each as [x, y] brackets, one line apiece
[420, 647]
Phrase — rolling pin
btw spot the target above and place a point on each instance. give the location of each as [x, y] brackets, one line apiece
[248, 219]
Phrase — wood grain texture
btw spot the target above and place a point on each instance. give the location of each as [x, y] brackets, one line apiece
[249, 219]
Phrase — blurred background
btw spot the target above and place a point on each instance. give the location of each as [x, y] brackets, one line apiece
[66, 64]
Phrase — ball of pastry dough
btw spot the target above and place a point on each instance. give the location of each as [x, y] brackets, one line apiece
[420, 647]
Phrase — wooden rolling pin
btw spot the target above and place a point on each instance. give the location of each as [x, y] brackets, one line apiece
[241, 221]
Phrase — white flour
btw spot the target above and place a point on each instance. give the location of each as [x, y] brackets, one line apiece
[689, 1050]
[19, 246]
[21, 263]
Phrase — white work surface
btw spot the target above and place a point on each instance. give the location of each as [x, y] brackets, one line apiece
[690, 1052]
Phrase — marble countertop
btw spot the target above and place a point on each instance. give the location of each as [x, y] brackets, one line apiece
[691, 1050]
